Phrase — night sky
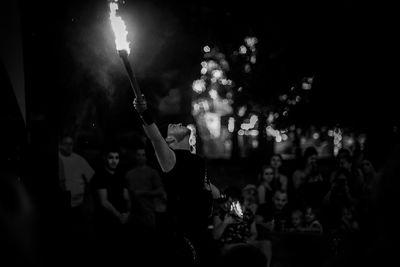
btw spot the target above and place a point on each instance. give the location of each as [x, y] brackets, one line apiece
[346, 45]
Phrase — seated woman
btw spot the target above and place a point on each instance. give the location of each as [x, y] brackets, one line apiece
[234, 225]
[280, 180]
[265, 188]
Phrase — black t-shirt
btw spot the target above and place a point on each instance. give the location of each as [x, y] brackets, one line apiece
[269, 213]
[312, 193]
[189, 201]
[114, 184]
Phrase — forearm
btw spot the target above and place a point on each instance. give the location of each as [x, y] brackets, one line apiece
[252, 237]
[111, 209]
[219, 230]
[253, 232]
[153, 133]
[127, 199]
[165, 156]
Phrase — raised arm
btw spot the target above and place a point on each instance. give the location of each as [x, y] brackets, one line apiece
[165, 155]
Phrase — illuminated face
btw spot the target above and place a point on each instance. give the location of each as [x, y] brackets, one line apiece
[268, 175]
[296, 218]
[140, 156]
[309, 215]
[66, 146]
[178, 131]
[276, 162]
[280, 200]
[112, 160]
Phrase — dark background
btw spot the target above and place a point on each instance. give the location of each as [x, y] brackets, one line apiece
[346, 45]
[72, 68]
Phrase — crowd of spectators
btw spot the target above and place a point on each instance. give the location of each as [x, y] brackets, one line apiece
[280, 218]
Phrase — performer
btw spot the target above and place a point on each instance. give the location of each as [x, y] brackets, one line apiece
[189, 195]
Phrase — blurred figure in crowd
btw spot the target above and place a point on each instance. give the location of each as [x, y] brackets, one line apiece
[112, 207]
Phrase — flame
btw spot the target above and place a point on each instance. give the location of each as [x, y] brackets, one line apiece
[119, 28]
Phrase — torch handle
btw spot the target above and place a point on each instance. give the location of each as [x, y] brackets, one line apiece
[132, 78]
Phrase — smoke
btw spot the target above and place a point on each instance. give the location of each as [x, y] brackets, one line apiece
[94, 56]
[92, 47]
[97, 82]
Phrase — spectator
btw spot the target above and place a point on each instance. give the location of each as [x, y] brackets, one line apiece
[309, 171]
[249, 194]
[113, 206]
[265, 188]
[234, 225]
[349, 223]
[280, 180]
[371, 179]
[76, 176]
[274, 217]
[337, 197]
[355, 176]
[296, 221]
[369, 195]
[145, 186]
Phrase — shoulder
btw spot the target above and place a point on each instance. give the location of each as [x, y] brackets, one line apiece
[98, 179]
[260, 187]
[316, 225]
[76, 156]
[79, 158]
[131, 172]
[283, 177]
[150, 169]
[298, 173]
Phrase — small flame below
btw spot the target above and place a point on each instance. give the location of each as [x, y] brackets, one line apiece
[119, 28]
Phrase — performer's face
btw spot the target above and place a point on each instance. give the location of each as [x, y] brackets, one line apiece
[178, 131]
